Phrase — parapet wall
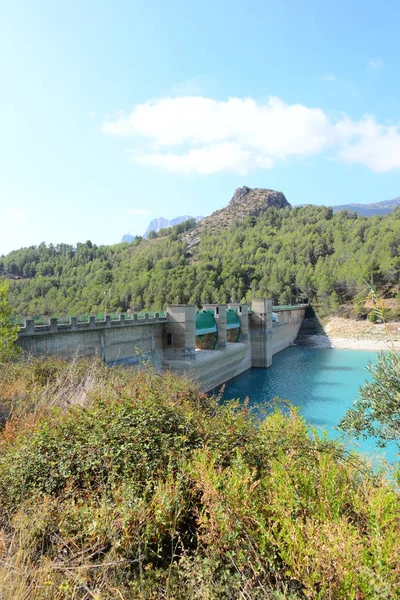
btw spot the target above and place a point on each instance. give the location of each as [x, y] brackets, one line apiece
[169, 342]
[127, 341]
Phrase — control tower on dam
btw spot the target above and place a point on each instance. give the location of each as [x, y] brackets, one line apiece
[212, 344]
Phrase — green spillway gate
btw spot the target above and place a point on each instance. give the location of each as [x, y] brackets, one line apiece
[233, 322]
[206, 325]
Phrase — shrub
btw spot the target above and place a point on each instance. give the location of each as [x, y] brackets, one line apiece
[8, 332]
[151, 489]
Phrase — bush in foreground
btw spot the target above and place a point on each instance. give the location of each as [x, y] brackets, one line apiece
[146, 488]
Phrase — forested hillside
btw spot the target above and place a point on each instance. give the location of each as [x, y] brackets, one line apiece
[306, 252]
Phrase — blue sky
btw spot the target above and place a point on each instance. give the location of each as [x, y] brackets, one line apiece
[113, 113]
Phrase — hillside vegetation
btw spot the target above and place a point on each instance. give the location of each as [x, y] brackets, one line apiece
[122, 484]
[287, 254]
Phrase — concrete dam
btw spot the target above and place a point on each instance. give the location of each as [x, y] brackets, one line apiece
[212, 345]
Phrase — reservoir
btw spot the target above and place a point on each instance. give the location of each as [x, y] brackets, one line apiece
[323, 383]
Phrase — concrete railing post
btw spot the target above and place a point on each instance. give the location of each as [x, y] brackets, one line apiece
[53, 325]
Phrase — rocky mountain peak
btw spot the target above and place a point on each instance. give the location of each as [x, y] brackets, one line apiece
[160, 223]
[246, 202]
[254, 201]
[239, 194]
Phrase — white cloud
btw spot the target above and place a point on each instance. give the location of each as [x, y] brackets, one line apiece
[215, 158]
[375, 63]
[142, 212]
[201, 135]
[372, 145]
[274, 127]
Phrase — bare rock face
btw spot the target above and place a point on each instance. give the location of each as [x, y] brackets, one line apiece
[160, 223]
[253, 201]
[246, 202]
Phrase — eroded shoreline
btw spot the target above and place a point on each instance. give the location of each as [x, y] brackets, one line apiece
[324, 342]
[346, 334]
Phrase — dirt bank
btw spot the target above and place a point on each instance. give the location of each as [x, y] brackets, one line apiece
[356, 335]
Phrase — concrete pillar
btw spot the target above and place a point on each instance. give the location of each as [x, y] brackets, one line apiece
[243, 314]
[179, 341]
[261, 333]
[122, 319]
[210, 306]
[92, 322]
[242, 311]
[30, 326]
[220, 317]
[108, 321]
[74, 321]
[53, 325]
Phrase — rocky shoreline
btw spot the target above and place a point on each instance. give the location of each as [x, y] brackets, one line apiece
[346, 334]
[322, 341]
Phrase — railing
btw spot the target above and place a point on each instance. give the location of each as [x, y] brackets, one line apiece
[85, 318]
[54, 325]
[289, 307]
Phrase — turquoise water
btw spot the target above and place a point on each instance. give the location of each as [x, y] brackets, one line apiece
[324, 383]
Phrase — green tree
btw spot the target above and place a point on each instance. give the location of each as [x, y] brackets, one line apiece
[334, 303]
[377, 410]
[8, 332]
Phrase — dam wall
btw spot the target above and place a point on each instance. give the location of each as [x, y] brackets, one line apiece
[211, 368]
[115, 341]
[212, 345]
[286, 328]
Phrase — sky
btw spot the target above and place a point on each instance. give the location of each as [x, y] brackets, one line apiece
[114, 113]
